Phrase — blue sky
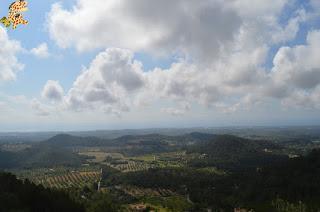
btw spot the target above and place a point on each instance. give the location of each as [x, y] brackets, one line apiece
[138, 64]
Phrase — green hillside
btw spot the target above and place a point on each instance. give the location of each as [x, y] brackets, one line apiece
[17, 195]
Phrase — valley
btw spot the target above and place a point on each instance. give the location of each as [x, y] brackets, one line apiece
[190, 172]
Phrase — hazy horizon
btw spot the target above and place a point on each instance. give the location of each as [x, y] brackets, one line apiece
[194, 129]
[90, 129]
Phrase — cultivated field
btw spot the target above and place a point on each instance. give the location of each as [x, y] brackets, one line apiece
[139, 163]
[131, 166]
[61, 178]
[70, 180]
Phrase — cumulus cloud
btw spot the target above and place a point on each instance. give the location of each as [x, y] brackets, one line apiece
[114, 81]
[299, 66]
[41, 51]
[9, 64]
[222, 46]
[183, 27]
[108, 83]
[297, 69]
[197, 30]
[53, 91]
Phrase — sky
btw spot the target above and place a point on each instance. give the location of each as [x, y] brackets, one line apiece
[119, 64]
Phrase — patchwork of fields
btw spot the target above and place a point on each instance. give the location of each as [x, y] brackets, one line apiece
[138, 163]
[90, 173]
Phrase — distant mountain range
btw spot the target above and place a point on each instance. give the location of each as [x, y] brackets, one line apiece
[66, 140]
[276, 133]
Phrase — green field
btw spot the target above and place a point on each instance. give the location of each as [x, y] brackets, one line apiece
[61, 177]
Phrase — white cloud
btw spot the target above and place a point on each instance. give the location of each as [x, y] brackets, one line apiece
[197, 30]
[114, 82]
[297, 69]
[302, 99]
[223, 47]
[283, 34]
[9, 64]
[41, 51]
[53, 91]
[109, 82]
[185, 27]
[258, 9]
[182, 110]
[299, 66]
[240, 76]
[174, 111]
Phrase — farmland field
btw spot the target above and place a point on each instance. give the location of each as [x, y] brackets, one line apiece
[138, 163]
[69, 180]
[131, 166]
[144, 162]
[61, 178]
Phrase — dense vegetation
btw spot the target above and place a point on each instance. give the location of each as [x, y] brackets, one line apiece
[7, 159]
[230, 152]
[39, 156]
[16, 195]
[292, 180]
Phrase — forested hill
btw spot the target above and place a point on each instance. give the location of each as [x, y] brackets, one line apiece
[40, 155]
[231, 152]
[229, 144]
[66, 141]
[17, 195]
